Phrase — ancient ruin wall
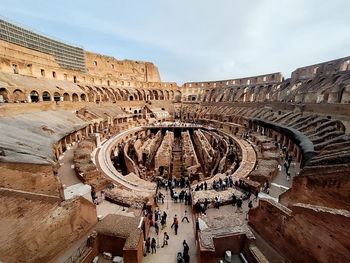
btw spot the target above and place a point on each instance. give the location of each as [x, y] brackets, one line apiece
[164, 153]
[35, 178]
[305, 233]
[102, 66]
[204, 150]
[188, 153]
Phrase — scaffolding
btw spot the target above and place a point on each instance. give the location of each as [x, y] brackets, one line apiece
[67, 56]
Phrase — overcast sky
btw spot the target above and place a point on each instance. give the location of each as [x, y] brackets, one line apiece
[197, 40]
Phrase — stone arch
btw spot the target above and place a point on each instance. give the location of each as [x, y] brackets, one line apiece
[160, 95]
[5, 94]
[75, 97]
[82, 97]
[117, 94]
[46, 96]
[140, 95]
[66, 97]
[34, 96]
[18, 95]
[171, 94]
[155, 95]
[177, 96]
[56, 96]
[151, 95]
[166, 94]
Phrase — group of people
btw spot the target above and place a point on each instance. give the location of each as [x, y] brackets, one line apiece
[158, 218]
[172, 183]
[183, 196]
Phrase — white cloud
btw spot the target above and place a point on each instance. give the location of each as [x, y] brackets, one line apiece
[202, 39]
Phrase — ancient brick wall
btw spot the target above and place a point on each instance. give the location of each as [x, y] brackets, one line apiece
[305, 233]
[34, 178]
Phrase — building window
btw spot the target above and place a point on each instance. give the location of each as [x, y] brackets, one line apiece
[112, 66]
[92, 80]
[65, 76]
[15, 69]
[75, 79]
[108, 83]
[54, 74]
[95, 63]
[42, 72]
[101, 81]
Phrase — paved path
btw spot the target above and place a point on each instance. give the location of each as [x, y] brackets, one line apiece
[66, 173]
[186, 232]
[280, 184]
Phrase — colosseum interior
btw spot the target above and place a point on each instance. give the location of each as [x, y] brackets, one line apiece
[94, 150]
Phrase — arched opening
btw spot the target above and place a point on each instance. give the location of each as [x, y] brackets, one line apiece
[178, 98]
[66, 97]
[155, 93]
[4, 95]
[131, 98]
[18, 96]
[135, 111]
[34, 96]
[46, 96]
[56, 96]
[83, 97]
[75, 97]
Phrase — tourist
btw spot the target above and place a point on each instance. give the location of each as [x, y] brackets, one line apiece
[103, 196]
[165, 239]
[175, 196]
[185, 217]
[164, 216]
[186, 258]
[256, 195]
[175, 219]
[93, 195]
[239, 204]
[250, 206]
[217, 202]
[176, 225]
[148, 244]
[153, 245]
[186, 247]
[161, 197]
[156, 228]
[234, 199]
[288, 176]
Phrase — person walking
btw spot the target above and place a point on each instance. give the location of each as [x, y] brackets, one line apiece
[153, 245]
[175, 219]
[250, 206]
[176, 225]
[234, 199]
[239, 204]
[185, 217]
[148, 245]
[165, 239]
[186, 247]
[156, 228]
